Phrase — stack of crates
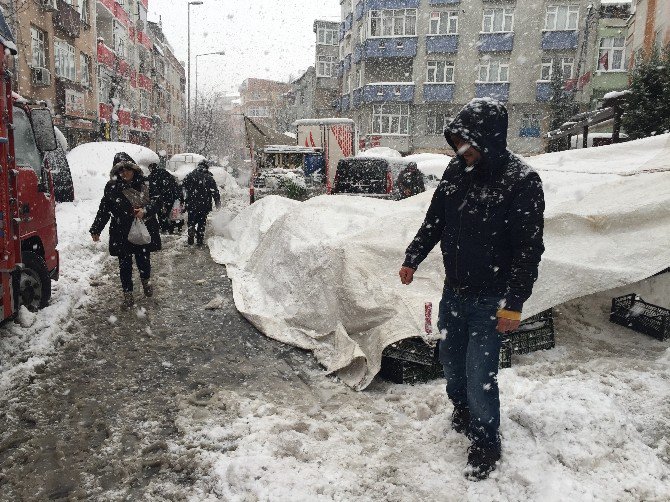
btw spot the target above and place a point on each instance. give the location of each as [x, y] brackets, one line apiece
[633, 312]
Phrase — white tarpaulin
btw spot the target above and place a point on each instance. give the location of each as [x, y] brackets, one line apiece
[322, 275]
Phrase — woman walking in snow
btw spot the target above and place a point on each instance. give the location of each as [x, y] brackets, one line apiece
[126, 198]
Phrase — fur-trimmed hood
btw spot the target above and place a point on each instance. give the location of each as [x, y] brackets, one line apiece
[125, 164]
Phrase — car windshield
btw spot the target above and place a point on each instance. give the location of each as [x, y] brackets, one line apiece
[27, 154]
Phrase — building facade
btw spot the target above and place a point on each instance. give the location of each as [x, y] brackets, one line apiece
[56, 61]
[407, 66]
[264, 101]
[649, 27]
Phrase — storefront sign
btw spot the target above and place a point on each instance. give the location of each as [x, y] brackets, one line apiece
[74, 103]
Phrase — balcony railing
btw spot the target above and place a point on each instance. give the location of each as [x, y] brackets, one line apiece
[394, 47]
[441, 44]
[67, 19]
[345, 102]
[390, 4]
[544, 91]
[438, 93]
[499, 91]
[559, 40]
[401, 92]
[496, 42]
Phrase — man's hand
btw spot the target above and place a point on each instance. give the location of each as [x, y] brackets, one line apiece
[139, 213]
[96, 238]
[406, 275]
[507, 325]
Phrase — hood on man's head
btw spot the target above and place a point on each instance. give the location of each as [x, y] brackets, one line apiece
[204, 164]
[483, 123]
[121, 156]
[125, 164]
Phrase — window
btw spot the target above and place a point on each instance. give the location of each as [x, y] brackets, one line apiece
[567, 66]
[359, 78]
[84, 70]
[26, 151]
[561, 17]
[326, 36]
[38, 46]
[104, 88]
[440, 72]
[64, 59]
[530, 125]
[498, 20]
[491, 71]
[392, 23]
[436, 123]
[443, 23]
[612, 54]
[347, 84]
[391, 118]
[83, 11]
[361, 33]
[119, 36]
[325, 66]
[259, 111]
[144, 102]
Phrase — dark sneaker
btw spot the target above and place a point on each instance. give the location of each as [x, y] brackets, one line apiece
[481, 462]
[128, 300]
[460, 419]
[200, 244]
[190, 240]
[148, 289]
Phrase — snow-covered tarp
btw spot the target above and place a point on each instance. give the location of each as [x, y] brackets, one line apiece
[322, 274]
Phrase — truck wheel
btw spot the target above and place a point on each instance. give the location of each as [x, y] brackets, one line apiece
[35, 282]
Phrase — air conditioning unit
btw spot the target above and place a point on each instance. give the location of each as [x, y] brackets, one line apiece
[48, 5]
[41, 77]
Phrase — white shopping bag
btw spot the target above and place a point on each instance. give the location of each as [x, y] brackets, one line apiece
[139, 233]
[175, 213]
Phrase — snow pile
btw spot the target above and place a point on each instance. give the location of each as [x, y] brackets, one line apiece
[323, 276]
[380, 152]
[181, 164]
[430, 164]
[91, 163]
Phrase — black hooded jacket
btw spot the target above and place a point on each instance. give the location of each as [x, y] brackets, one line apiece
[489, 218]
[164, 185]
[200, 188]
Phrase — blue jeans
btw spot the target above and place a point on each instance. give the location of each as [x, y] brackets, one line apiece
[143, 261]
[470, 356]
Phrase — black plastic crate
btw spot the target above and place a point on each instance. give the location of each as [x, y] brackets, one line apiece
[633, 312]
[505, 355]
[534, 333]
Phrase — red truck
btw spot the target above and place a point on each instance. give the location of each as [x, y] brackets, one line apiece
[28, 237]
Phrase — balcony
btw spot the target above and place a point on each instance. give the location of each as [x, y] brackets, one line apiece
[143, 39]
[543, 92]
[348, 22]
[559, 40]
[444, 2]
[144, 82]
[496, 42]
[397, 47]
[340, 69]
[499, 91]
[358, 53]
[390, 4]
[347, 62]
[382, 92]
[115, 10]
[344, 102]
[357, 97]
[359, 10]
[441, 44]
[67, 19]
[438, 93]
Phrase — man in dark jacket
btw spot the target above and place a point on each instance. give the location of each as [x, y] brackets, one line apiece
[199, 190]
[410, 181]
[487, 212]
[164, 186]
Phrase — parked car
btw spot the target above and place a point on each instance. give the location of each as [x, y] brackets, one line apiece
[369, 176]
[61, 175]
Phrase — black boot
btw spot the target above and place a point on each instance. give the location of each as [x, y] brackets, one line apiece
[481, 462]
[460, 419]
[148, 288]
[191, 238]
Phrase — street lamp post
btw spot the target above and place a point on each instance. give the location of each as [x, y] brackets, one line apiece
[188, 94]
[218, 53]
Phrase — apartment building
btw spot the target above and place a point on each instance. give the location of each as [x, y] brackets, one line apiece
[407, 66]
[649, 27]
[56, 61]
[264, 100]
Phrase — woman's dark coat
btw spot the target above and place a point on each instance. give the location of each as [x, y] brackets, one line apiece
[117, 209]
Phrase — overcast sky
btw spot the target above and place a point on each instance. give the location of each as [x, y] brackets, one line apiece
[262, 38]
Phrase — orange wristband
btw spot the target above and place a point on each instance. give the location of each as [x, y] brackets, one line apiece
[509, 314]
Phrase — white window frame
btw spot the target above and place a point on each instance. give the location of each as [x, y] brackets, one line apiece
[547, 68]
[502, 15]
[326, 36]
[83, 9]
[432, 120]
[607, 45]
[389, 23]
[259, 111]
[120, 39]
[84, 70]
[495, 69]
[64, 59]
[563, 17]
[391, 119]
[38, 47]
[439, 72]
[443, 23]
[325, 66]
[359, 78]
[104, 87]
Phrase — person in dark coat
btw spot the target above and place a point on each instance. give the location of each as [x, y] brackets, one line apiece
[199, 191]
[127, 197]
[165, 187]
[410, 181]
[487, 212]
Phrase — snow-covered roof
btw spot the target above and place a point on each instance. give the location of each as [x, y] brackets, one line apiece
[290, 149]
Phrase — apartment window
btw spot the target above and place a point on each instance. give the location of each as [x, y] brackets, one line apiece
[144, 102]
[347, 84]
[326, 36]
[436, 123]
[567, 66]
[38, 46]
[104, 88]
[390, 118]
[64, 60]
[498, 20]
[83, 11]
[359, 78]
[325, 66]
[492, 71]
[561, 17]
[443, 23]
[440, 72]
[259, 111]
[612, 54]
[84, 70]
[392, 23]
[530, 125]
[119, 38]
[361, 33]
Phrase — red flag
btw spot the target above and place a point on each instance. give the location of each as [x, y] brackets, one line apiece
[603, 62]
[583, 80]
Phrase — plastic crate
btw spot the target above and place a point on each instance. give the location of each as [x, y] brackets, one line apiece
[410, 360]
[633, 312]
[534, 333]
